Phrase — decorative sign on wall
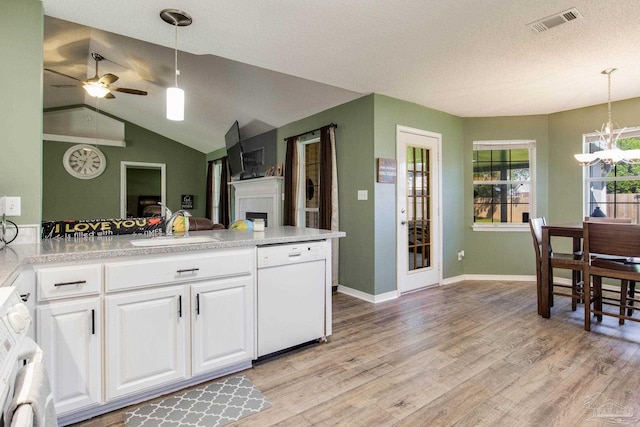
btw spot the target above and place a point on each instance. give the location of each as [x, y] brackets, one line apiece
[187, 201]
[101, 227]
[387, 170]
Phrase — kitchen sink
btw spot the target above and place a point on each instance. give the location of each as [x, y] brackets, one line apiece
[173, 240]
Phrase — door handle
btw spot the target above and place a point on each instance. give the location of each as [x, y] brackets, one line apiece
[403, 222]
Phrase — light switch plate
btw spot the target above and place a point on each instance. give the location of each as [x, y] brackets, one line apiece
[363, 194]
[11, 206]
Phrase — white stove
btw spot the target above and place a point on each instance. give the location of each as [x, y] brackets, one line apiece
[15, 345]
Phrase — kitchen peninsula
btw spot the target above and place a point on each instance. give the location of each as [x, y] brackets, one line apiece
[122, 319]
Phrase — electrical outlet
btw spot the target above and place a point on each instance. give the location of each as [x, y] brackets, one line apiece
[460, 255]
[12, 206]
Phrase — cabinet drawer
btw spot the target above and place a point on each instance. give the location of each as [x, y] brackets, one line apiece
[68, 281]
[142, 273]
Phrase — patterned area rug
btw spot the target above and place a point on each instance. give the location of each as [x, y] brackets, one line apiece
[216, 404]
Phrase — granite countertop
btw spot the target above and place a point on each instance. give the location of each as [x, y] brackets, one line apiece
[69, 250]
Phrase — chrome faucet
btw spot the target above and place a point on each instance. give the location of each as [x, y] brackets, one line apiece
[171, 218]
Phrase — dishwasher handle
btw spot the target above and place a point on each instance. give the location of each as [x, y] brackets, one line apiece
[295, 255]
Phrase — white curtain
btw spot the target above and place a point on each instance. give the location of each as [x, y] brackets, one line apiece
[335, 215]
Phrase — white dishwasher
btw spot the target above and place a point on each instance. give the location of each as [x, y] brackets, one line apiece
[292, 295]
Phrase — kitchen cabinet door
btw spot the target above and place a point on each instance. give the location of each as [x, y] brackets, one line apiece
[146, 339]
[70, 336]
[222, 323]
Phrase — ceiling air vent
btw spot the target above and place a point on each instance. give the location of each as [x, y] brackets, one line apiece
[554, 20]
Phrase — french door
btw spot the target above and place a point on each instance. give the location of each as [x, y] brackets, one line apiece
[419, 241]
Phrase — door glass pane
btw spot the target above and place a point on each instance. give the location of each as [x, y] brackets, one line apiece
[419, 208]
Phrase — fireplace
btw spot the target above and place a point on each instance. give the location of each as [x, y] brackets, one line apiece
[261, 197]
[257, 215]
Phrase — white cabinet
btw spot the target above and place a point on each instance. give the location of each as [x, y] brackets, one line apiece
[70, 336]
[146, 339]
[222, 323]
[126, 329]
[171, 317]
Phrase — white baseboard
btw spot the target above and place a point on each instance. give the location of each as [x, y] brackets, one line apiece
[375, 299]
[500, 277]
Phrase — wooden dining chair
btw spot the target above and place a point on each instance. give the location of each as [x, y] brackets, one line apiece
[573, 262]
[607, 219]
[611, 250]
[631, 287]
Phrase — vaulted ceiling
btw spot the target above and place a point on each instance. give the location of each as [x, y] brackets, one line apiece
[267, 64]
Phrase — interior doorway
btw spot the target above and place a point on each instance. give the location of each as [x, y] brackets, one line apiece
[142, 185]
[418, 193]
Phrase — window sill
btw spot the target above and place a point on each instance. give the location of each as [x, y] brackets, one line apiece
[501, 227]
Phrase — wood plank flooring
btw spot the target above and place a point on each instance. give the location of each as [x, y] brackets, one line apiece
[470, 354]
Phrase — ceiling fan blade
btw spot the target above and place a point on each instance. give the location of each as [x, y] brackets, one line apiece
[65, 85]
[131, 91]
[61, 74]
[109, 96]
[108, 78]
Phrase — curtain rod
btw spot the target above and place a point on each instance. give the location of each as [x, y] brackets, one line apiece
[333, 125]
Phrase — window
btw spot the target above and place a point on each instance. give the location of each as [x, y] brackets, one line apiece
[612, 190]
[309, 202]
[217, 171]
[503, 184]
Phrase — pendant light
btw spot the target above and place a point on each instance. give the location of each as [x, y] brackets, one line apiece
[175, 95]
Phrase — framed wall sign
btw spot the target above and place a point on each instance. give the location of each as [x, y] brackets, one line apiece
[387, 170]
[187, 201]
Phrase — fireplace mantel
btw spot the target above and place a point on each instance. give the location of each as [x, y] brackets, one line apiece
[259, 195]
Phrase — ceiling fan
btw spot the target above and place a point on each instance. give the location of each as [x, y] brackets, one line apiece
[99, 87]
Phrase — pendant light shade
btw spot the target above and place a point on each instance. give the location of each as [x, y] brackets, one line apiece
[175, 95]
[175, 104]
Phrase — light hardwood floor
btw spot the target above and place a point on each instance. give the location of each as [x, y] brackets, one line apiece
[470, 354]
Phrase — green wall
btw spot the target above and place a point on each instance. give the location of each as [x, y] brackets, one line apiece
[366, 131]
[65, 197]
[21, 34]
[354, 152]
[390, 112]
[503, 252]
[566, 129]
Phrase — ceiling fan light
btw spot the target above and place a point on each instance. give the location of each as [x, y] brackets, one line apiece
[175, 104]
[96, 89]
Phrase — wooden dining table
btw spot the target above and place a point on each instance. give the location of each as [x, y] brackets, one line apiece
[571, 230]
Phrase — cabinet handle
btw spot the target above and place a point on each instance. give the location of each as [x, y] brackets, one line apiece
[179, 305]
[197, 304]
[25, 297]
[77, 282]
[93, 322]
[188, 270]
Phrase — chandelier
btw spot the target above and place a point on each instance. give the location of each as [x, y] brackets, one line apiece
[608, 138]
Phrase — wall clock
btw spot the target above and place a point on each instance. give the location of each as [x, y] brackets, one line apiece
[84, 161]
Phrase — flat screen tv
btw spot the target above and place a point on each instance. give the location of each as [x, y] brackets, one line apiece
[234, 150]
